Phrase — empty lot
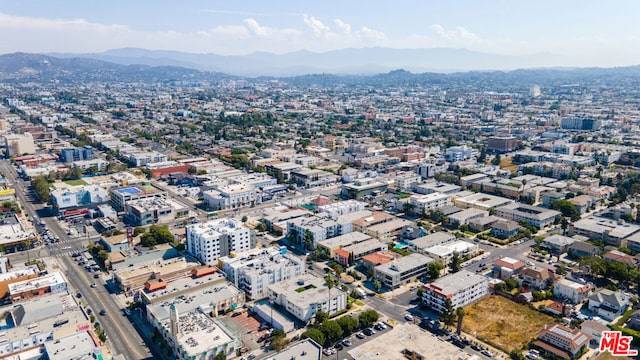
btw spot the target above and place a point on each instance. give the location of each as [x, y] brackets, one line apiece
[503, 323]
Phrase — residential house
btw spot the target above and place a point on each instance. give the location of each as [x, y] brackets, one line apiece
[582, 249]
[506, 267]
[561, 341]
[535, 278]
[571, 290]
[608, 304]
[504, 229]
[557, 244]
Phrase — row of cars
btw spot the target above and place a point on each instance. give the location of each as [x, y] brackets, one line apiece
[347, 342]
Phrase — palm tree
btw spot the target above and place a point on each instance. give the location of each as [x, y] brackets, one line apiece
[331, 282]
[460, 315]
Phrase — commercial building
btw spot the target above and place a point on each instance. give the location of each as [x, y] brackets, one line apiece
[121, 195]
[307, 294]
[143, 212]
[337, 209]
[479, 201]
[217, 238]
[306, 349]
[53, 283]
[535, 216]
[19, 144]
[462, 288]
[194, 335]
[130, 276]
[142, 158]
[502, 144]
[78, 196]
[402, 270]
[581, 124]
[362, 187]
[254, 270]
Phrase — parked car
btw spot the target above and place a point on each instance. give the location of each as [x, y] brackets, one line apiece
[360, 335]
[486, 353]
[408, 317]
[93, 285]
[347, 342]
[369, 331]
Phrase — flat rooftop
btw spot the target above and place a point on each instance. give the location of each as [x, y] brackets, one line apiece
[406, 336]
[405, 263]
[37, 283]
[203, 298]
[200, 333]
[345, 240]
[601, 225]
[456, 282]
[78, 346]
[306, 349]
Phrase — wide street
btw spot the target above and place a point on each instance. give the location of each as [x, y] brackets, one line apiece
[122, 336]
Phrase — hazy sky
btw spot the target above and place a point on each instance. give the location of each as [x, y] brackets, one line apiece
[587, 32]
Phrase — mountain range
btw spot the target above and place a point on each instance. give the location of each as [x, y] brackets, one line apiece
[344, 61]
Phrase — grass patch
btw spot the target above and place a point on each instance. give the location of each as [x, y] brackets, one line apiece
[305, 288]
[75, 182]
[509, 328]
[359, 303]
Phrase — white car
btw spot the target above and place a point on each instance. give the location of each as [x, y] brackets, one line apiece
[408, 317]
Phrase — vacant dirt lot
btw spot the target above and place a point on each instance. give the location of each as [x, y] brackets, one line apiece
[503, 323]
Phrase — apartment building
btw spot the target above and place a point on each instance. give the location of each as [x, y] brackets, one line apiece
[217, 238]
[462, 288]
[402, 271]
[254, 270]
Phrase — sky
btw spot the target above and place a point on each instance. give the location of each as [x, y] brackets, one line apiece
[585, 33]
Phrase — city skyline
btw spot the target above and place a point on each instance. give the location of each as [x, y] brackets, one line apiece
[577, 33]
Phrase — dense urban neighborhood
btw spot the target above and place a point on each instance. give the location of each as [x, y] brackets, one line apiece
[178, 214]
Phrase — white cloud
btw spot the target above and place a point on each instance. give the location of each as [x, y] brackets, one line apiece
[371, 34]
[255, 28]
[458, 33]
[318, 28]
[346, 28]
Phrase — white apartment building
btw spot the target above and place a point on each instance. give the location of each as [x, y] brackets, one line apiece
[217, 238]
[402, 271]
[254, 270]
[433, 201]
[305, 295]
[463, 288]
[149, 211]
[231, 196]
[407, 181]
[335, 210]
[142, 158]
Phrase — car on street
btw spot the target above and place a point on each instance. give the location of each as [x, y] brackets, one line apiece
[89, 311]
[251, 357]
[93, 285]
[78, 295]
[408, 317]
[368, 331]
[486, 353]
[103, 312]
[476, 347]
[96, 275]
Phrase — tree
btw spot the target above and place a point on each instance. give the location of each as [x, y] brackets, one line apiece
[351, 260]
[315, 335]
[567, 208]
[377, 285]
[161, 234]
[433, 270]
[482, 157]
[244, 219]
[460, 316]
[496, 160]
[148, 240]
[448, 314]
[331, 330]
[370, 274]
[138, 230]
[368, 317]
[321, 317]
[348, 324]
[220, 356]
[308, 239]
[41, 188]
[456, 260]
[331, 282]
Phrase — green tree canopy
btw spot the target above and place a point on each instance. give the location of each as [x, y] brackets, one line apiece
[315, 335]
[331, 330]
[368, 317]
[567, 208]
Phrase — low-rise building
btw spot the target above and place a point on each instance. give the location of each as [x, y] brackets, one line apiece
[571, 290]
[143, 212]
[480, 201]
[535, 216]
[561, 341]
[465, 216]
[53, 283]
[535, 278]
[504, 229]
[349, 255]
[121, 195]
[231, 197]
[420, 204]
[608, 304]
[557, 244]
[462, 288]
[388, 231]
[444, 253]
[611, 232]
[506, 268]
[402, 271]
[362, 187]
[307, 294]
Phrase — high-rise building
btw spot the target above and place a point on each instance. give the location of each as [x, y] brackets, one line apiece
[581, 124]
[20, 144]
[217, 238]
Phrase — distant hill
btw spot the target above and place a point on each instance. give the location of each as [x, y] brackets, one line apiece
[42, 67]
[345, 61]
